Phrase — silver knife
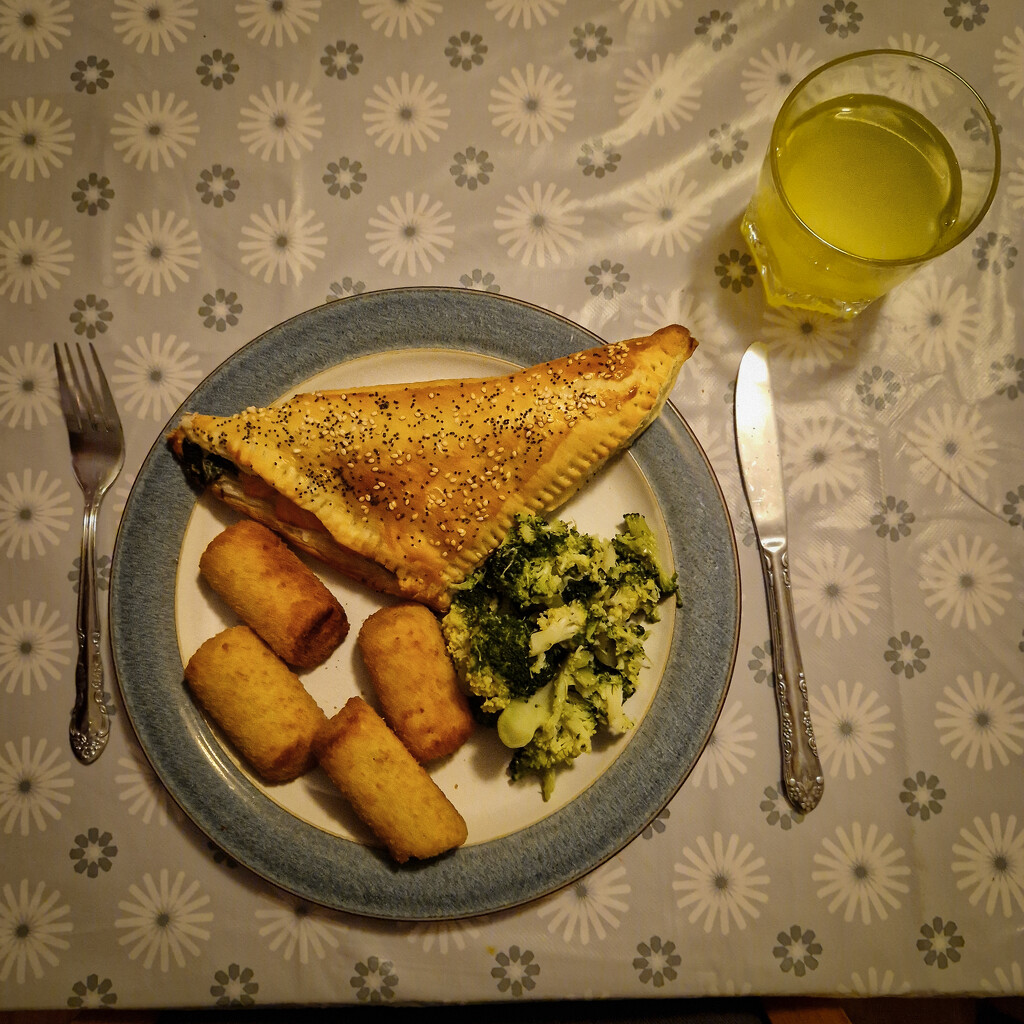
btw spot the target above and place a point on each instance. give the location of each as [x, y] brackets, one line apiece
[757, 442]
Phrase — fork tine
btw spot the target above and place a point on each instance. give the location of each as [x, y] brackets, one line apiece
[107, 404]
[87, 394]
[78, 396]
[68, 403]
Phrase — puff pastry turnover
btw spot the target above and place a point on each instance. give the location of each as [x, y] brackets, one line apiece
[408, 487]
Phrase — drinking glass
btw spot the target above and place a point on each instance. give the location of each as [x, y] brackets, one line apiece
[879, 161]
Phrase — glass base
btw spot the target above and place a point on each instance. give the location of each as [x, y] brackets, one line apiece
[778, 294]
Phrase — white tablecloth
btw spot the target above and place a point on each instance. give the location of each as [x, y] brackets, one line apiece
[177, 176]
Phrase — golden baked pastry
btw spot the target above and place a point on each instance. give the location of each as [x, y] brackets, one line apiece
[408, 487]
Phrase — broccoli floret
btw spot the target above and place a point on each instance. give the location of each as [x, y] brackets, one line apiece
[519, 722]
[603, 688]
[637, 543]
[490, 649]
[556, 625]
[620, 646]
[537, 560]
[630, 591]
[556, 744]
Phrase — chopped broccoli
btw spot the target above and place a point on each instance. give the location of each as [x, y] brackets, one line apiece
[492, 648]
[519, 722]
[548, 636]
[637, 543]
[556, 625]
[605, 689]
[557, 743]
[537, 560]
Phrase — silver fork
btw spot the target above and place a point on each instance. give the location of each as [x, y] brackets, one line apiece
[97, 454]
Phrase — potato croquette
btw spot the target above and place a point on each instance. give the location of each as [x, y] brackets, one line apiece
[386, 786]
[275, 593]
[258, 702]
[415, 681]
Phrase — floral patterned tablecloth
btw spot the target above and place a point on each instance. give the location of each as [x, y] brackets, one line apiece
[176, 176]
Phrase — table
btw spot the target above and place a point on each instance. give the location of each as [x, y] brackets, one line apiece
[177, 177]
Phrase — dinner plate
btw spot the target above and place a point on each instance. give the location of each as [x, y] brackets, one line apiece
[302, 836]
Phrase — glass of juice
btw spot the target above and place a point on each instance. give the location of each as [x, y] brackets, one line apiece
[878, 162]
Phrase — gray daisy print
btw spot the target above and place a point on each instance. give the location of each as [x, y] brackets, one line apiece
[778, 811]
[220, 856]
[994, 252]
[1007, 376]
[346, 286]
[922, 795]
[590, 41]
[1013, 507]
[892, 518]
[92, 194]
[91, 316]
[516, 971]
[878, 388]
[480, 280]
[728, 146]
[102, 572]
[344, 177]
[94, 993]
[92, 75]
[466, 50]
[841, 18]
[797, 950]
[907, 654]
[940, 943]
[607, 278]
[341, 59]
[656, 961]
[220, 310]
[234, 987]
[760, 663]
[979, 128]
[471, 168]
[735, 270]
[217, 185]
[966, 14]
[717, 28]
[93, 852]
[598, 159]
[658, 825]
[375, 980]
[217, 69]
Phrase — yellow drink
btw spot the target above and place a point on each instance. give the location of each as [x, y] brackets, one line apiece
[855, 193]
[870, 176]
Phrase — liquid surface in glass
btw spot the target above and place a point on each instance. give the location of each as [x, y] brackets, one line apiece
[870, 176]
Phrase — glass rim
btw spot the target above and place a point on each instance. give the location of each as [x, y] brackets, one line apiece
[954, 239]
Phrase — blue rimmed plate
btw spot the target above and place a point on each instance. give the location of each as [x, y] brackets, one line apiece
[301, 836]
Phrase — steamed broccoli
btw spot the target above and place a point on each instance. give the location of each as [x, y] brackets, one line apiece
[557, 743]
[537, 561]
[558, 624]
[549, 633]
[637, 544]
[492, 648]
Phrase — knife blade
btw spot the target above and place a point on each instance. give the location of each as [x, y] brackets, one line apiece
[757, 443]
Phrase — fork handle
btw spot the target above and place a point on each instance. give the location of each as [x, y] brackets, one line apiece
[90, 722]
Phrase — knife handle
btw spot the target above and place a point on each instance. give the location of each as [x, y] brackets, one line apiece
[801, 769]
